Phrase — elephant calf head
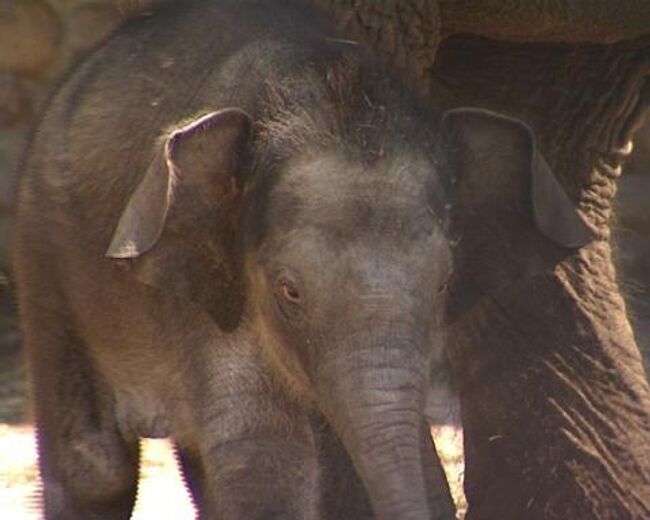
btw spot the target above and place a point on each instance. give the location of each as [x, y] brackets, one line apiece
[332, 216]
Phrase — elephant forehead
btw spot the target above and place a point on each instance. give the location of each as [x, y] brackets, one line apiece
[396, 197]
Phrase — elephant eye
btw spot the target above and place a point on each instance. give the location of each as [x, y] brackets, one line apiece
[289, 298]
[289, 292]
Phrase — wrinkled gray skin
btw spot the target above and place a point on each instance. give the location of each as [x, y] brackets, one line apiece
[240, 237]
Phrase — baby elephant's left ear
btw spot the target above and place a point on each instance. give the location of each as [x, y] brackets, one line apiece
[491, 146]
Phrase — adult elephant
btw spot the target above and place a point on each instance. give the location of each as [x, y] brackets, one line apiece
[555, 400]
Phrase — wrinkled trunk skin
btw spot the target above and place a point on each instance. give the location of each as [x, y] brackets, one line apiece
[555, 401]
[377, 409]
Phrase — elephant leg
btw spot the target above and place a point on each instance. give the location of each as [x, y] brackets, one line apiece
[254, 456]
[89, 469]
[264, 471]
[541, 415]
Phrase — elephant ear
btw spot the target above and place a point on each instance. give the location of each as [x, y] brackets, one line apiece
[202, 152]
[175, 229]
[496, 156]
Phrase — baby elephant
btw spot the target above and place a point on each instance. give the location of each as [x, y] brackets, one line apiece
[234, 230]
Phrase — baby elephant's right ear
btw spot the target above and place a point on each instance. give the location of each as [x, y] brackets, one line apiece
[203, 153]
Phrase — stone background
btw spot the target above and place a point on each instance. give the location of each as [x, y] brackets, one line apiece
[41, 39]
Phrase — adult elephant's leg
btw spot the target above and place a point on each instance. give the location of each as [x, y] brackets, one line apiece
[553, 408]
[556, 404]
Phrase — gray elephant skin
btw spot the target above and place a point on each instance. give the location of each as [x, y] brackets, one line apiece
[238, 229]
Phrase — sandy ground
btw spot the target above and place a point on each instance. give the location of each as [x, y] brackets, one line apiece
[162, 495]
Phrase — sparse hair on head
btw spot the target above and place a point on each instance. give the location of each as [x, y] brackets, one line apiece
[345, 103]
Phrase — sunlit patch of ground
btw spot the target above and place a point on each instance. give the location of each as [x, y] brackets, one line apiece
[19, 486]
[162, 495]
[449, 444]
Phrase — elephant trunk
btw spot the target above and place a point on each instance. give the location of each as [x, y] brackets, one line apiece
[376, 397]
